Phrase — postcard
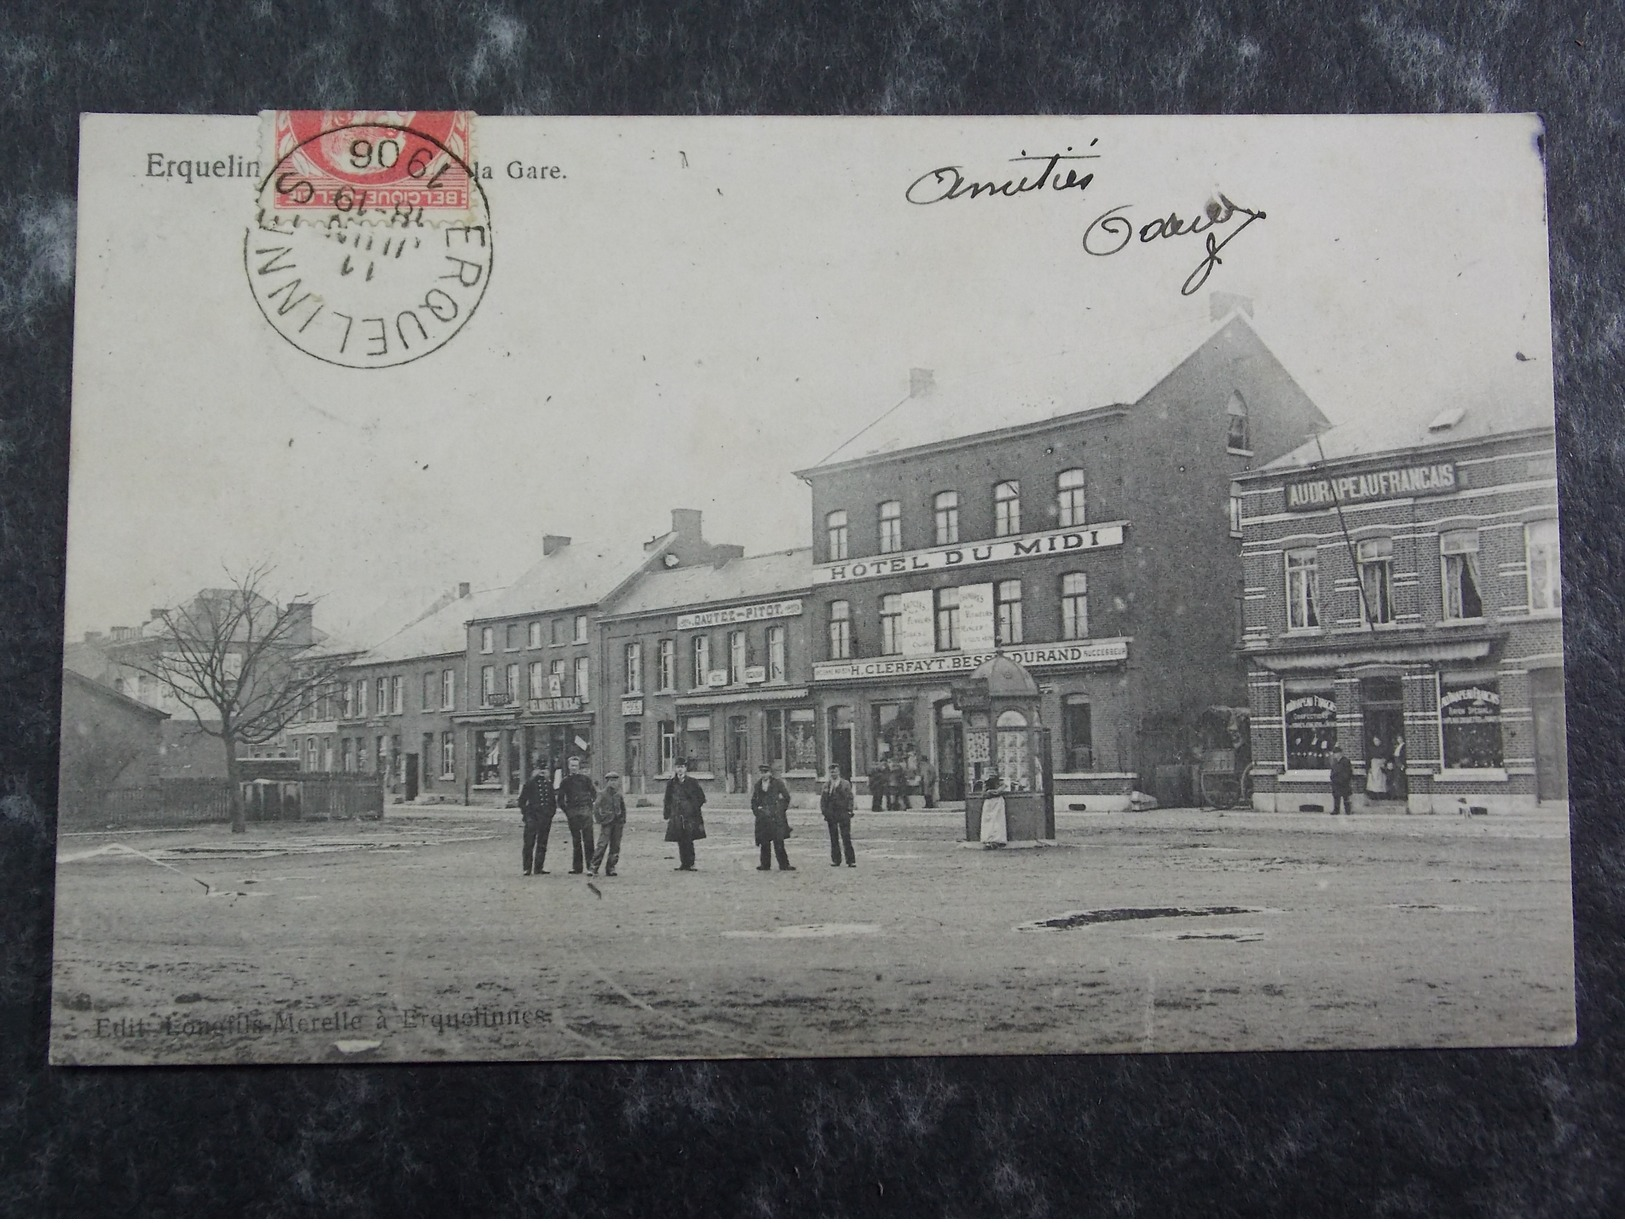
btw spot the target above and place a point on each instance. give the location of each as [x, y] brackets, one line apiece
[1112, 563]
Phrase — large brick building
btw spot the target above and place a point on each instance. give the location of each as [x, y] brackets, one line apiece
[1404, 602]
[1098, 547]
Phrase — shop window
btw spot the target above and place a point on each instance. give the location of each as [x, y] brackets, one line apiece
[891, 526]
[1458, 560]
[946, 506]
[774, 720]
[801, 741]
[1311, 729]
[1007, 507]
[1077, 734]
[1470, 723]
[1238, 436]
[488, 640]
[736, 656]
[1545, 574]
[668, 747]
[840, 629]
[948, 618]
[1302, 593]
[448, 689]
[1069, 498]
[633, 664]
[583, 681]
[487, 758]
[667, 668]
[448, 756]
[1376, 560]
[891, 621]
[1007, 612]
[1074, 606]
[775, 654]
[697, 742]
[835, 525]
[893, 726]
[700, 651]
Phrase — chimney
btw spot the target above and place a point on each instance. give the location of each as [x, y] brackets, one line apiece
[920, 382]
[121, 632]
[721, 554]
[686, 523]
[1221, 304]
[301, 617]
[552, 544]
[462, 590]
[157, 613]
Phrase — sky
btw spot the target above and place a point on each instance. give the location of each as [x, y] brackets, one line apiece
[695, 308]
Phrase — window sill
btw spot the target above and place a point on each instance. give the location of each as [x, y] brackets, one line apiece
[1236, 450]
[1470, 775]
[1464, 622]
[1321, 777]
[1294, 633]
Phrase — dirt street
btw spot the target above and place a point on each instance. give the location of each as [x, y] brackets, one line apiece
[418, 938]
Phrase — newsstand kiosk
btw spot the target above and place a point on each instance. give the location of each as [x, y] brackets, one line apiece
[1003, 735]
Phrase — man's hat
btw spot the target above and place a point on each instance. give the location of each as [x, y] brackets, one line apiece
[764, 766]
[612, 776]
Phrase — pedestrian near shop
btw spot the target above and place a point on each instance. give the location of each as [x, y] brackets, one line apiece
[685, 818]
[928, 782]
[610, 812]
[1342, 770]
[995, 824]
[770, 804]
[835, 801]
[536, 807]
[877, 786]
[578, 796]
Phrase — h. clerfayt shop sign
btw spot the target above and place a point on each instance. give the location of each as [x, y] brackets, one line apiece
[984, 552]
[1098, 651]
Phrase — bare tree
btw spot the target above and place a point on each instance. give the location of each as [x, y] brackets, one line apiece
[243, 666]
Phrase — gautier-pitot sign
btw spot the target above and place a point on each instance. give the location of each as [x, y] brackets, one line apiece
[1060, 654]
[984, 552]
[740, 615]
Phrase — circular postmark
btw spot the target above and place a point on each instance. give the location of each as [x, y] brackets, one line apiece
[371, 241]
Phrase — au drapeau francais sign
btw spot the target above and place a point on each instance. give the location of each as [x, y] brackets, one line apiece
[1421, 480]
[983, 552]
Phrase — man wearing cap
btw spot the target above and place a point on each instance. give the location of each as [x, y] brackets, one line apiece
[770, 804]
[611, 816]
[685, 820]
[577, 795]
[536, 806]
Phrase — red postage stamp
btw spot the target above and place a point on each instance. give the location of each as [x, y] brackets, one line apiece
[363, 161]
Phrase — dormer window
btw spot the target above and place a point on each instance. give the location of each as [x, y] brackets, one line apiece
[1238, 436]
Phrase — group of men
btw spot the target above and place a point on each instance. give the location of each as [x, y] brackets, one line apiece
[585, 807]
[890, 783]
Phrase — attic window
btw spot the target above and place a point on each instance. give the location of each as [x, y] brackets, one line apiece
[1448, 419]
[1238, 436]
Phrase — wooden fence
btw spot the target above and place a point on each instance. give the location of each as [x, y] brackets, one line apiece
[183, 801]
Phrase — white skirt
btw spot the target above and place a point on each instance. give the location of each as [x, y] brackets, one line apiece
[995, 831]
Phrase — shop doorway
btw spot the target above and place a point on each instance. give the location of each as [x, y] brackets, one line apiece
[634, 758]
[950, 753]
[1382, 710]
[411, 779]
[840, 739]
[1551, 735]
[738, 750]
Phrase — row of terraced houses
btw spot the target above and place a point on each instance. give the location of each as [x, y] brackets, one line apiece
[1390, 586]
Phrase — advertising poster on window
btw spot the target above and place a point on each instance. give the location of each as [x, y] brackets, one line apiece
[1311, 730]
[976, 617]
[916, 628]
[1470, 717]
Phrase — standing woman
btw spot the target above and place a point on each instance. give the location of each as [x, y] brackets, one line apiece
[995, 829]
[684, 822]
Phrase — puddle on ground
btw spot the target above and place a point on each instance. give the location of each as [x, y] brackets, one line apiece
[815, 930]
[1221, 936]
[1093, 917]
[1427, 908]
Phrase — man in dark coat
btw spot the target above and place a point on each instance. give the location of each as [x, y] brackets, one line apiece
[537, 805]
[611, 816]
[685, 822]
[1342, 783]
[878, 778]
[770, 804]
[578, 796]
[836, 803]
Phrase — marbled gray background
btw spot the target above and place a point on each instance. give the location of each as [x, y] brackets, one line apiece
[1494, 1132]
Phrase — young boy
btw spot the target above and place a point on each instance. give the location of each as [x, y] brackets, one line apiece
[610, 812]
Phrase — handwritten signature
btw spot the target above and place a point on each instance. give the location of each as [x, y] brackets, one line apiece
[1111, 232]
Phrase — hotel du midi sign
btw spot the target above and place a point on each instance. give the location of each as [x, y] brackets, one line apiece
[985, 552]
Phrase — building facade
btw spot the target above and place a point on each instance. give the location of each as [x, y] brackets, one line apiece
[711, 664]
[1098, 548]
[1404, 603]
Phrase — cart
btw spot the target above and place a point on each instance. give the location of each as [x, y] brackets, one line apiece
[1225, 775]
